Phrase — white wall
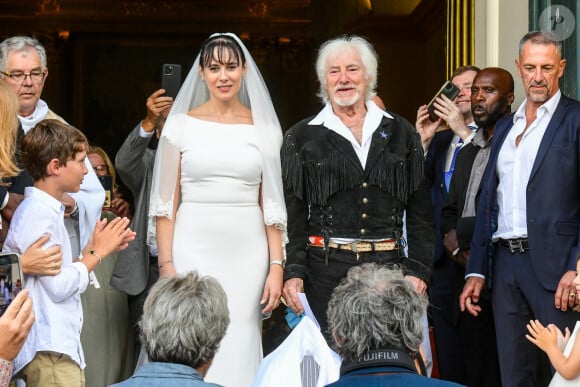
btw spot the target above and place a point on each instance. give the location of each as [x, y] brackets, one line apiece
[499, 26]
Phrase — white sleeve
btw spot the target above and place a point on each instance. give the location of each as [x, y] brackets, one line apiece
[167, 162]
[89, 200]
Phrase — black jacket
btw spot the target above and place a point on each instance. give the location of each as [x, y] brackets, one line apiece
[328, 193]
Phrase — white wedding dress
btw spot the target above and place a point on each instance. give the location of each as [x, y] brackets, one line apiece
[220, 231]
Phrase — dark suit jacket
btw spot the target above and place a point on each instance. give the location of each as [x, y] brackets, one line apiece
[435, 173]
[134, 163]
[552, 199]
[451, 214]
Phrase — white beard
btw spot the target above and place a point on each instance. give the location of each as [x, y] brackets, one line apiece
[347, 102]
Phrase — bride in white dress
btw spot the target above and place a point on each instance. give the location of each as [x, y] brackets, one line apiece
[217, 196]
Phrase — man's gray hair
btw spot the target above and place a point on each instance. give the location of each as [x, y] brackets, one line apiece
[20, 43]
[375, 307]
[184, 319]
[334, 47]
[541, 37]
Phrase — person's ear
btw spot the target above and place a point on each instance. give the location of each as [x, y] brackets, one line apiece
[53, 167]
[510, 98]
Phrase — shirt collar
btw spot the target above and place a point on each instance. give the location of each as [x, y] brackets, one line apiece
[548, 107]
[40, 195]
[327, 117]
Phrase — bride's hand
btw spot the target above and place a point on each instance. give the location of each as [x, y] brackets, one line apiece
[272, 289]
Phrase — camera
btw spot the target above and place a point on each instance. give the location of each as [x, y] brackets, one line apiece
[168, 69]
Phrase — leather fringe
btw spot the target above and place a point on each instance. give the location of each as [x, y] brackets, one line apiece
[292, 167]
[400, 178]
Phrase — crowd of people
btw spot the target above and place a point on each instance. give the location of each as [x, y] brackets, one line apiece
[377, 221]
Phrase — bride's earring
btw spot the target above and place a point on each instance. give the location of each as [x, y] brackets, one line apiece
[243, 86]
[204, 88]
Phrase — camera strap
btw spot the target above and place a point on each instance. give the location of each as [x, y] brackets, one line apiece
[380, 357]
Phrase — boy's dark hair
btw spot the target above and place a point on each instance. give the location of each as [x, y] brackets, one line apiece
[50, 139]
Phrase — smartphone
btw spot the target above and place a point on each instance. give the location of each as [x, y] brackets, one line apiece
[171, 79]
[449, 90]
[11, 279]
[107, 183]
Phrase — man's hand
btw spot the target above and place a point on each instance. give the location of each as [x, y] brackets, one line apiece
[292, 287]
[419, 285]
[451, 244]
[469, 298]
[566, 292]
[425, 127]
[452, 249]
[15, 324]
[36, 261]
[156, 104]
[447, 110]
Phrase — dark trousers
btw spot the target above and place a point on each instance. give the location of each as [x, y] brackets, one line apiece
[466, 345]
[518, 298]
[323, 278]
[444, 311]
[136, 304]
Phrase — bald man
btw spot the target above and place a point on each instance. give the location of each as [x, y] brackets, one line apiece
[492, 93]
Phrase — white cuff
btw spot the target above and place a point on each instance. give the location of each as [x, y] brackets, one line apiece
[143, 133]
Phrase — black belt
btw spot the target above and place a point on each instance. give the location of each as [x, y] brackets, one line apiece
[515, 245]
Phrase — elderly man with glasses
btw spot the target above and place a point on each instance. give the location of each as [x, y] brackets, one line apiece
[23, 67]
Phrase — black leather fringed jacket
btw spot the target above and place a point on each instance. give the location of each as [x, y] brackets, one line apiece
[329, 194]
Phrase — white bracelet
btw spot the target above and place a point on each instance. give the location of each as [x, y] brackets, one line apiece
[278, 262]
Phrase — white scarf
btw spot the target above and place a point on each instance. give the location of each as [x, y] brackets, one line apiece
[38, 115]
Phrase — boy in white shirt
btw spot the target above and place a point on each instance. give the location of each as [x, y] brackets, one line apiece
[54, 155]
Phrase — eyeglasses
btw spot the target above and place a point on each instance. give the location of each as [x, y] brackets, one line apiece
[36, 76]
[101, 168]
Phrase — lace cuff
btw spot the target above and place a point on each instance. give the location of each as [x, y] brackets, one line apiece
[157, 208]
[276, 216]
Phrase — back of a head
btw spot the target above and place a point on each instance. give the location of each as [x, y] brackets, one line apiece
[375, 307]
[50, 139]
[184, 320]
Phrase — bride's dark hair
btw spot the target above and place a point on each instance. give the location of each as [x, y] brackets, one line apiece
[220, 48]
